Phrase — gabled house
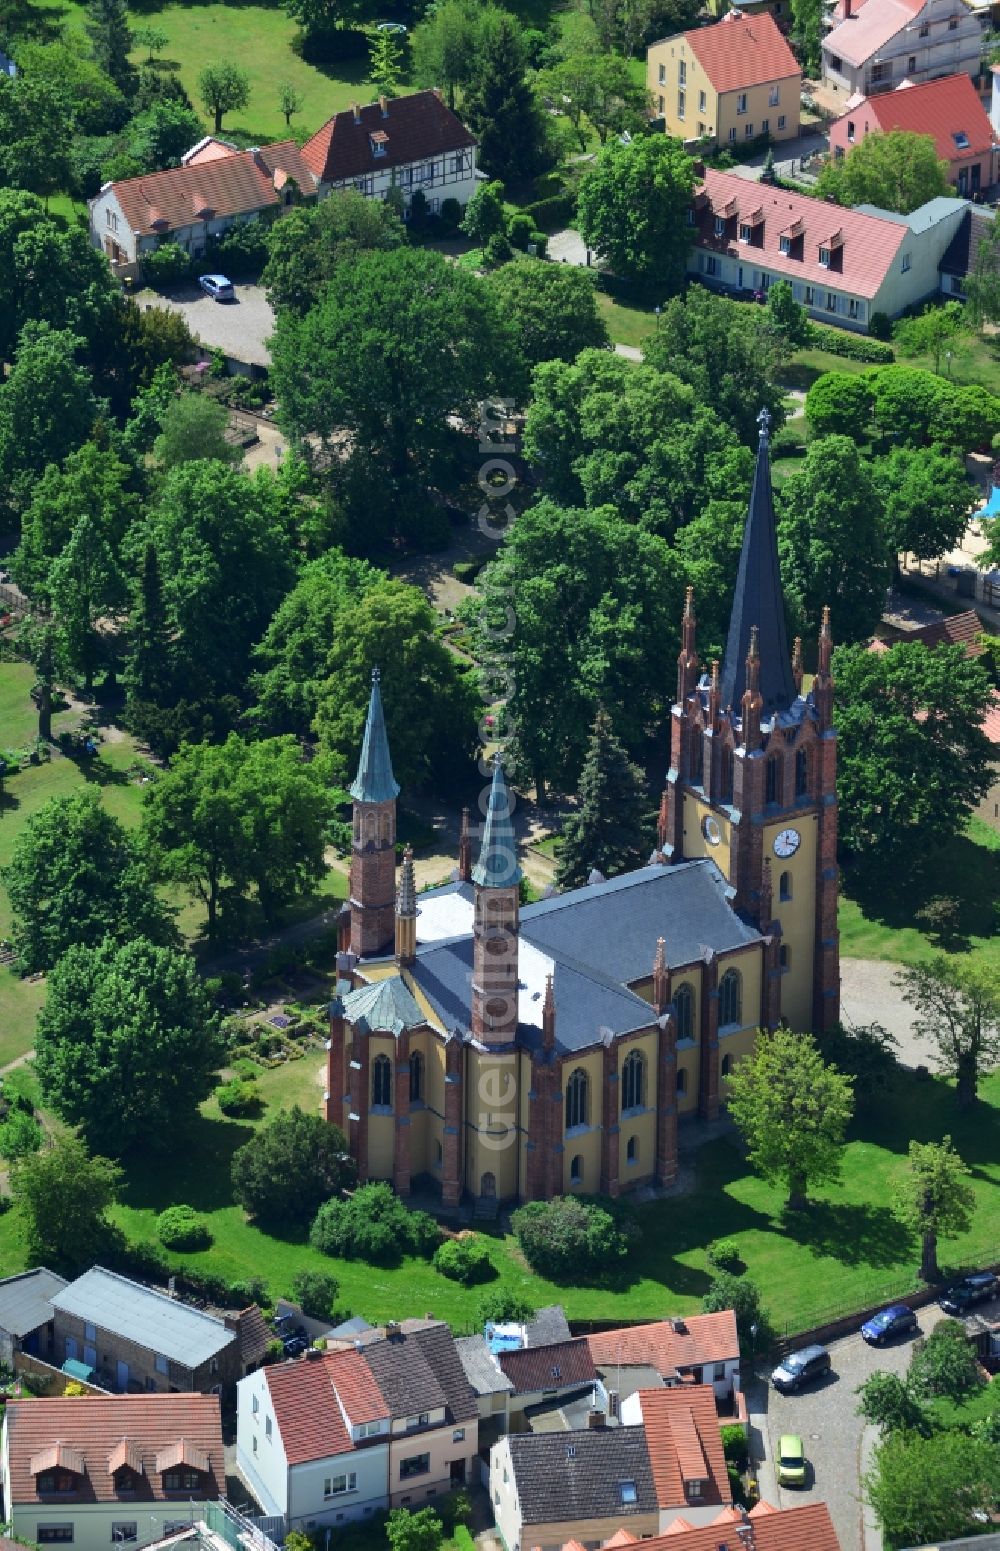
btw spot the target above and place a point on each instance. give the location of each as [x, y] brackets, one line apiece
[410, 143]
[880, 43]
[698, 1349]
[191, 203]
[136, 1338]
[843, 265]
[734, 81]
[107, 1470]
[807, 1527]
[948, 109]
[389, 1422]
[545, 1375]
[26, 1314]
[664, 1462]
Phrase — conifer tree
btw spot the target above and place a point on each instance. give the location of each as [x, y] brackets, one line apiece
[607, 830]
[147, 671]
[111, 40]
[499, 104]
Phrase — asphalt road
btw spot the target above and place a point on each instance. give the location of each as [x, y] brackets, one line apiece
[825, 1417]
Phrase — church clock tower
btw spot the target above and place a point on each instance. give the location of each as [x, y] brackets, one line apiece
[752, 779]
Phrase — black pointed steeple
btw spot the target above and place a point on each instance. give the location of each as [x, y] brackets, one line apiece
[758, 600]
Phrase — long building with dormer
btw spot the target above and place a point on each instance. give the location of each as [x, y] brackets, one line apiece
[509, 1051]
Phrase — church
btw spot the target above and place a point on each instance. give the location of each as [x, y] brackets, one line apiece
[491, 1050]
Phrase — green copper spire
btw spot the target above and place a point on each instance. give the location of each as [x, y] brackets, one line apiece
[497, 866]
[375, 781]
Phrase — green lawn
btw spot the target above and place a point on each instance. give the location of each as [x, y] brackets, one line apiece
[968, 870]
[627, 325]
[806, 365]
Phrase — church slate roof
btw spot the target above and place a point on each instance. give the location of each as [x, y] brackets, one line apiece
[497, 866]
[375, 781]
[616, 923]
[758, 602]
[385, 1005]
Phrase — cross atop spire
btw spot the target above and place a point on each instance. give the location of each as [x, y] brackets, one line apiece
[497, 866]
[375, 781]
[758, 599]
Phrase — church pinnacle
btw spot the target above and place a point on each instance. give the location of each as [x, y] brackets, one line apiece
[497, 866]
[757, 601]
[375, 781]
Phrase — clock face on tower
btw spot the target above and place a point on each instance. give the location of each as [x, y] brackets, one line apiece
[786, 843]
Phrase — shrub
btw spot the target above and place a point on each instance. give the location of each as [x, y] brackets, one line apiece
[180, 1227]
[456, 1511]
[372, 1225]
[519, 231]
[569, 1236]
[553, 213]
[168, 265]
[743, 1297]
[789, 442]
[290, 1167]
[497, 251]
[725, 1255]
[503, 1306]
[855, 347]
[245, 1068]
[316, 1293]
[239, 1295]
[734, 1444]
[450, 213]
[880, 326]
[465, 1260]
[239, 1097]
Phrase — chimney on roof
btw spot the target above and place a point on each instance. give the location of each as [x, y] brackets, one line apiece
[678, 1326]
[383, 103]
[355, 109]
[596, 1417]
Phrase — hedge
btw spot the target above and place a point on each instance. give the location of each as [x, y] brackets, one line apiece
[855, 347]
[553, 213]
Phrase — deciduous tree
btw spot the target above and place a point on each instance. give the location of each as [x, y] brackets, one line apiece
[421, 1530]
[607, 831]
[935, 1199]
[193, 427]
[49, 273]
[77, 877]
[944, 1364]
[929, 1490]
[223, 88]
[443, 46]
[792, 1110]
[86, 587]
[887, 1402]
[957, 1005]
[62, 1195]
[896, 171]
[553, 309]
[93, 480]
[839, 404]
[47, 409]
[729, 353]
[290, 1167]
[35, 123]
[305, 247]
[912, 757]
[831, 541]
[926, 500]
[385, 62]
[631, 210]
[930, 332]
[290, 100]
[127, 1043]
[600, 89]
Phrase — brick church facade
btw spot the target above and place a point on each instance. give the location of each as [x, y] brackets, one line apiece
[524, 1051]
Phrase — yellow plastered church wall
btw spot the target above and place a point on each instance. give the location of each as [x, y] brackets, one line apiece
[736, 1047]
[381, 1128]
[491, 1111]
[797, 916]
[584, 1142]
[641, 1126]
[696, 843]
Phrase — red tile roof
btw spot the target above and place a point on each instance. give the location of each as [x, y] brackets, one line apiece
[229, 185]
[954, 630]
[856, 39]
[804, 1528]
[549, 1367]
[705, 1338]
[991, 721]
[867, 247]
[101, 1429]
[416, 127]
[742, 51]
[940, 108]
[685, 1444]
[309, 1415]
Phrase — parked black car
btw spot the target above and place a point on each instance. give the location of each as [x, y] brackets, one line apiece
[798, 1368]
[977, 1288]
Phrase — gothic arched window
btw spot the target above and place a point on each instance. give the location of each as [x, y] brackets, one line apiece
[576, 1099]
[697, 751]
[632, 1150]
[682, 1080]
[730, 998]
[727, 1065]
[802, 773]
[726, 775]
[772, 780]
[576, 1170]
[382, 1082]
[416, 1077]
[684, 1008]
[634, 1081]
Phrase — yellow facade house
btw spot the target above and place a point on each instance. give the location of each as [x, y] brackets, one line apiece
[731, 82]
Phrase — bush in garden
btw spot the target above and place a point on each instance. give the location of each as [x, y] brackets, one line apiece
[239, 1096]
[316, 1293]
[373, 1225]
[168, 265]
[181, 1227]
[569, 1237]
[465, 1260]
[725, 1254]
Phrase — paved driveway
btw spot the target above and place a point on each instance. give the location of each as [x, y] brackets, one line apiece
[239, 328]
[825, 1417]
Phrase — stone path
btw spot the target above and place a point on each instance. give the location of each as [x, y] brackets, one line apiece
[868, 995]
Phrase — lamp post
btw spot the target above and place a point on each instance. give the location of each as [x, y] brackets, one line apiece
[753, 1346]
[947, 356]
[657, 311]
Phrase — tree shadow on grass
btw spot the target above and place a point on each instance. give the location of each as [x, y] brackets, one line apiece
[96, 770]
[853, 1235]
[195, 1171]
[963, 870]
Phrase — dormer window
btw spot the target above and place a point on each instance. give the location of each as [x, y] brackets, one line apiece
[785, 244]
[961, 140]
[379, 142]
[181, 1481]
[56, 1483]
[746, 232]
[824, 257]
[694, 1489]
[720, 226]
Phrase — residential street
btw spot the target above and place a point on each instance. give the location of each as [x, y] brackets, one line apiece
[825, 1417]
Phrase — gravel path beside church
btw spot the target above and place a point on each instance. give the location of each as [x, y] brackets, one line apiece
[867, 995]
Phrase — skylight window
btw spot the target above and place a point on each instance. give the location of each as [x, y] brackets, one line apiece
[961, 139]
[628, 1493]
